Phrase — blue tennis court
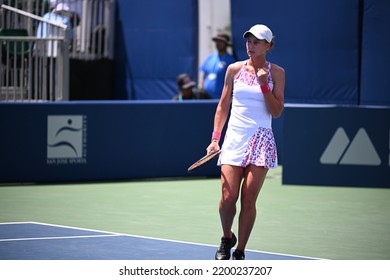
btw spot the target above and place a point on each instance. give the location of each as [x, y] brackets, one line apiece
[38, 241]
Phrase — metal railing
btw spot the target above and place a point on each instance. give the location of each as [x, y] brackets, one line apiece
[32, 68]
[35, 61]
[92, 23]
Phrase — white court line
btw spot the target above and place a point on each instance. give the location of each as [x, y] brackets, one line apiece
[57, 237]
[14, 223]
[158, 239]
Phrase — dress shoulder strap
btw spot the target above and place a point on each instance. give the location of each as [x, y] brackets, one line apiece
[242, 70]
[269, 73]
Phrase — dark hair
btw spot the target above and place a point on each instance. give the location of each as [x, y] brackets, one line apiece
[272, 44]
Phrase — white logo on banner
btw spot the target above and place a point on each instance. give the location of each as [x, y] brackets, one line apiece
[359, 151]
[66, 139]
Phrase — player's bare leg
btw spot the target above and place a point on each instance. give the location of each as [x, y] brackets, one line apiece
[251, 186]
[231, 179]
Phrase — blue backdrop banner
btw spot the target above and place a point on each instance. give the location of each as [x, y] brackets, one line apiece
[155, 42]
[95, 141]
[337, 146]
[375, 82]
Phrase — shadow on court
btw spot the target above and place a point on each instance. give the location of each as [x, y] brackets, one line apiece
[36, 241]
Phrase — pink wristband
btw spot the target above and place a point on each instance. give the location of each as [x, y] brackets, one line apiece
[216, 135]
[265, 88]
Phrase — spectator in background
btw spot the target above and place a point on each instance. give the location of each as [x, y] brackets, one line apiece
[187, 89]
[214, 67]
[50, 48]
[61, 14]
[74, 10]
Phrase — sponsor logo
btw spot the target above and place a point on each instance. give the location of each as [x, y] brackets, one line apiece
[342, 151]
[66, 139]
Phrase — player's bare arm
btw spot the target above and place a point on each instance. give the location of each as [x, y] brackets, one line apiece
[275, 101]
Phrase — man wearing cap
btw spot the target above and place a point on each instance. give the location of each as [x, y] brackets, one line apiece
[214, 67]
[186, 88]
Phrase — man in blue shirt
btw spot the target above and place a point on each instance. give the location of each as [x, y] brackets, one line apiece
[215, 66]
[60, 14]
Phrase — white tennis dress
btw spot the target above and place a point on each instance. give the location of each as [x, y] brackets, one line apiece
[249, 138]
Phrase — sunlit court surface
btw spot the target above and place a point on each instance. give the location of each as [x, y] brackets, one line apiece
[177, 219]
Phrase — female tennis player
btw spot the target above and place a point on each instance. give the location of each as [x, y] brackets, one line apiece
[254, 90]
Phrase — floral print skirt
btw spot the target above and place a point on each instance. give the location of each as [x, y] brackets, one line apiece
[258, 149]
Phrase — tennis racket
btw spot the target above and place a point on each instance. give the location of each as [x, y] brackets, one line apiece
[207, 158]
